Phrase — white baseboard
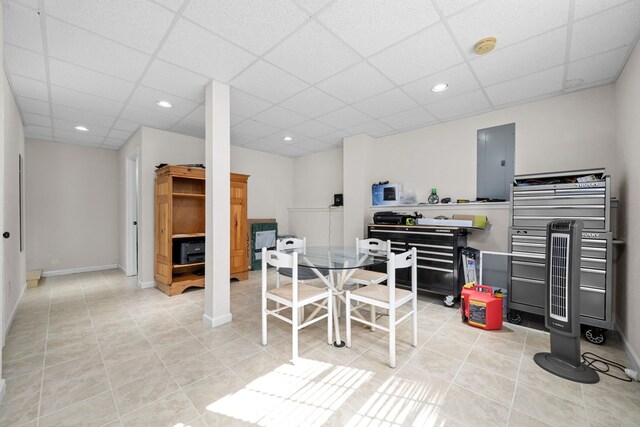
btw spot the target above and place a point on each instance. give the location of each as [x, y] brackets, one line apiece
[3, 388]
[121, 268]
[631, 353]
[217, 321]
[14, 311]
[79, 270]
[147, 285]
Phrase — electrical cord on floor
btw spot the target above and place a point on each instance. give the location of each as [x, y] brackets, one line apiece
[608, 367]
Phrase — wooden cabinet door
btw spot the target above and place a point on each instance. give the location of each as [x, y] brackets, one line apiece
[163, 236]
[238, 246]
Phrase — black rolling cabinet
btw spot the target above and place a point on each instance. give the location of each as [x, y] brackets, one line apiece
[438, 248]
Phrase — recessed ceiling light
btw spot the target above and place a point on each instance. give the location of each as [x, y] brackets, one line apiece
[164, 104]
[440, 87]
[81, 128]
[287, 138]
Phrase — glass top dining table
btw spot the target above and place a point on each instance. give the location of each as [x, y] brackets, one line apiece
[334, 265]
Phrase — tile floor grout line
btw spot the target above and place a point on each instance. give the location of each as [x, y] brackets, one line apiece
[44, 359]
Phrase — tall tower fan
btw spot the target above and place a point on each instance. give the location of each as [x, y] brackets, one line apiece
[562, 314]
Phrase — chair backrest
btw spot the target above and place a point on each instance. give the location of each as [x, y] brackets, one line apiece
[374, 245]
[407, 259]
[291, 243]
[280, 260]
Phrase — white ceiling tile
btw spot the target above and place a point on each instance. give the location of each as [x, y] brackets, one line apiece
[73, 137]
[22, 27]
[84, 117]
[147, 117]
[386, 103]
[29, 88]
[28, 105]
[140, 24]
[356, 83]
[528, 87]
[38, 132]
[509, 21]
[240, 139]
[24, 62]
[171, 4]
[30, 119]
[88, 81]
[521, 58]
[187, 127]
[409, 119]
[373, 128]
[334, 138]
[33, 4]
[460, 106]
[126, 125]
[253, 128]
[204, 56]
[421, 55]
[264, 145]
[68, 125]
[199, 115]
[312, 129]
[175, 80]
[234, 119]
[598, 67]
[585, 8]
[312, 103]
[372, 25]
[111, 143]
[314, 145]
[312, 53]
[145, 97]
[459, 78]
[594, 34]
[449, 7]
[268, 82]
[256, 25]
[81, 47]
[84, 101]
[118, 134]
[296, 150]
[312, 6]
[246, 105]
[344, 118]
[279, 117]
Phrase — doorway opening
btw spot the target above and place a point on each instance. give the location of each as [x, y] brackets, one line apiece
[131, 217]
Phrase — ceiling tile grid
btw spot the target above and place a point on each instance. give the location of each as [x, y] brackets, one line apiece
[314, 70]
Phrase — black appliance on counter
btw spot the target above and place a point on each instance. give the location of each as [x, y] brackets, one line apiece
[188, 252]
[393, 218]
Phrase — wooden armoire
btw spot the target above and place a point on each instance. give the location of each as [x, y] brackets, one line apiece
[180, 228]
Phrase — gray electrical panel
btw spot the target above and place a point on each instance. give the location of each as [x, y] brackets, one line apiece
[496, 161]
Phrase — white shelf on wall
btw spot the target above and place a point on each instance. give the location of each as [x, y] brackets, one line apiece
[444, 206]
[319, 209]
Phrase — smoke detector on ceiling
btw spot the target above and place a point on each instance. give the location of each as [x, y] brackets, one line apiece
[484, 45]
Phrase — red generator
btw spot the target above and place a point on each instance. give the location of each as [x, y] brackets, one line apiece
[480, 307]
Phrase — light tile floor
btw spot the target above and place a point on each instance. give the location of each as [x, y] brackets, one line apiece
[93, 349]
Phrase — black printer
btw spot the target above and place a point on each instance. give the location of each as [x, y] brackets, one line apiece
[396, 218]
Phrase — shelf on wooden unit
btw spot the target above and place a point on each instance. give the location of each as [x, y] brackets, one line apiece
[187, 235]
[187, 278]
[195, 264]
[196, 195]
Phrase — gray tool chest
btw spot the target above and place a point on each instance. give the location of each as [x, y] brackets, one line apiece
[538, 199]
[438, 251]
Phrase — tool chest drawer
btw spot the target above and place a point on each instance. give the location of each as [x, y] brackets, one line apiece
[437, 250]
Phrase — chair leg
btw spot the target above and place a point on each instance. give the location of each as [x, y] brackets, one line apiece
[348, 314]
[373, 317]
[415, 321]
[329, 318]
[294, 334]
[264, 320]
[392, 337]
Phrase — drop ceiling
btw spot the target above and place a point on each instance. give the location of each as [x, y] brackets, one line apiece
[314, 70]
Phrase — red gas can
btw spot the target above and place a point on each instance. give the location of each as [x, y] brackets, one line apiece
[480, 307]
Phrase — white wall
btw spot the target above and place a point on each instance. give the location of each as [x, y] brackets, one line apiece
[130, 148]
[317, 178]
[71, 203]
[270, 189]
[14, 274]
[627, 92]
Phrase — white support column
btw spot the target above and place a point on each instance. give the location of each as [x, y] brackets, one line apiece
[217, 310]
[356, 187]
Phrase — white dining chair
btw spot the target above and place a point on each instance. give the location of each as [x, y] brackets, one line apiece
[363, 276]
[388, 297]
[295, 296]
